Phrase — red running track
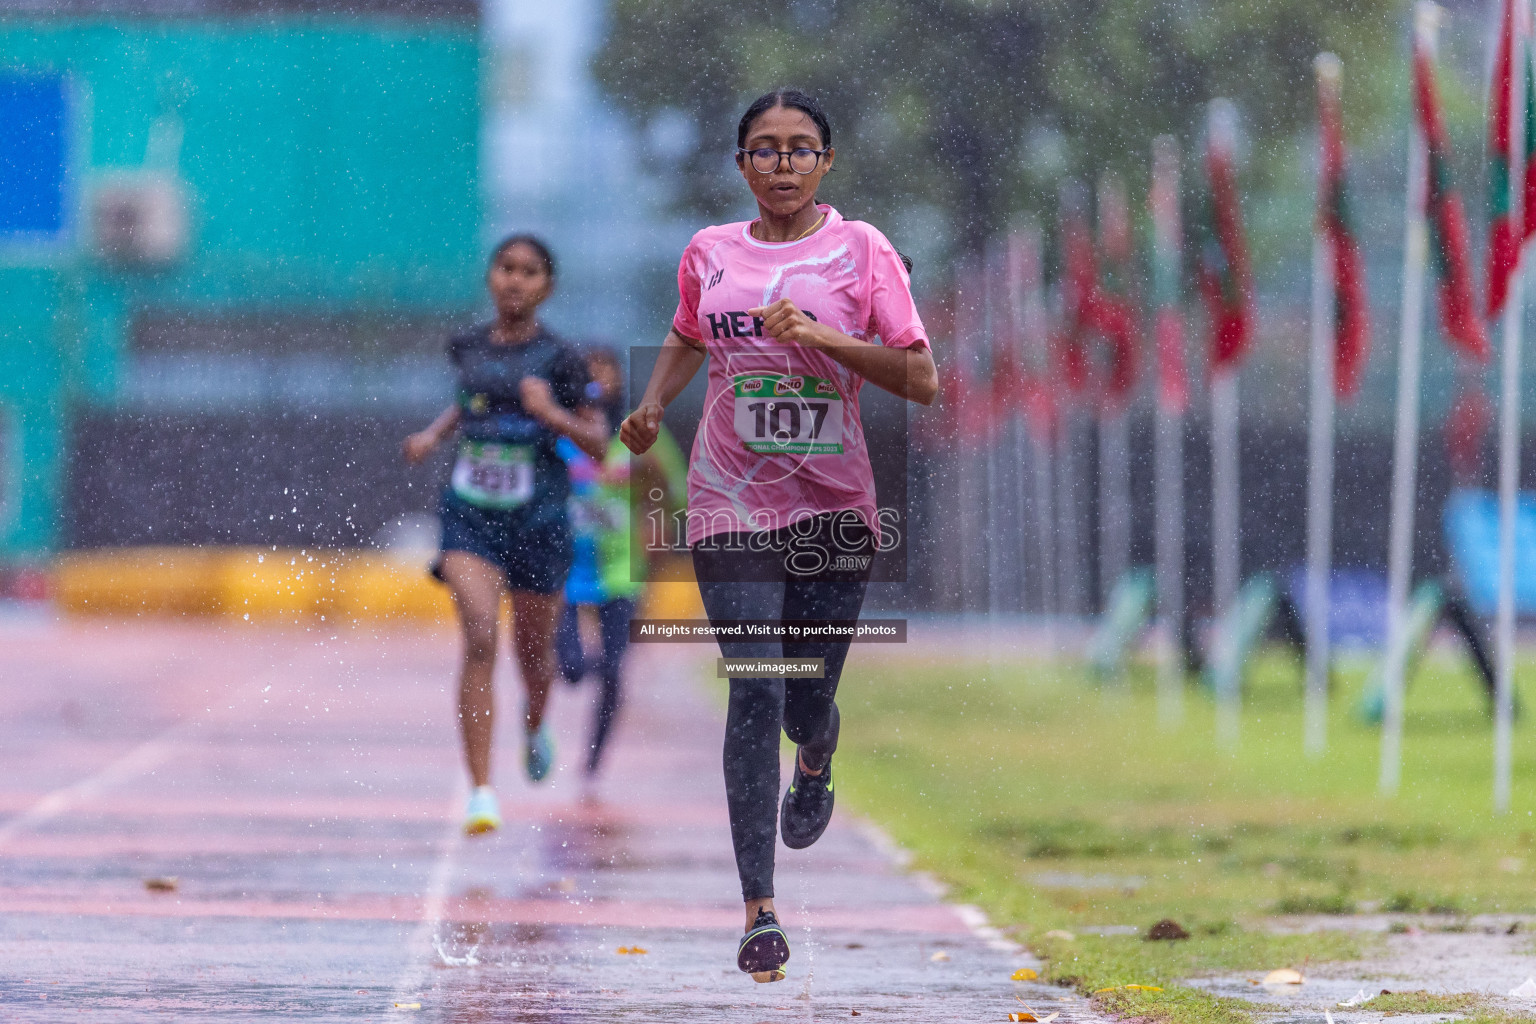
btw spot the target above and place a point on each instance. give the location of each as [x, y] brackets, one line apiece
[302, 788]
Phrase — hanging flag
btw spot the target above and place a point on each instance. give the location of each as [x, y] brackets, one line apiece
[1224, 275]
[1351, 311]
[1034, 398]
[1079, 288]
[1466, 428]
[1504, 225]
[1007, 367]
[1167, 273]
[1447, 219]
[1114, 308]
[974, 396]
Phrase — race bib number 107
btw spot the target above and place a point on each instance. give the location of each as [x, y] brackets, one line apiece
[781, 414]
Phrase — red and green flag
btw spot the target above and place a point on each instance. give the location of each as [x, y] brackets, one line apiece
[1225, 279]
[1114, 308]
[1079, 291]
[1449, 248]
[1466, 428]
[1034, 399]
[1167, 276]
[1351, 311]
[1528, 198]
[1505, 227]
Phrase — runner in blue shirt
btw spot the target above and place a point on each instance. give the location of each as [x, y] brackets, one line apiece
[610, 570]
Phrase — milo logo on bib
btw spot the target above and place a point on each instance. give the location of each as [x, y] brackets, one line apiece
[781, 414]
[788, 385]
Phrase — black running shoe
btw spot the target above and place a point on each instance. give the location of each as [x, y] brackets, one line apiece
[807, 807]
[765, 949]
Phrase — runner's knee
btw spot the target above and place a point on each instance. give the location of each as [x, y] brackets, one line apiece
[479, 641]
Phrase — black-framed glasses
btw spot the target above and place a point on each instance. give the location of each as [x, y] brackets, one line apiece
[766, 161]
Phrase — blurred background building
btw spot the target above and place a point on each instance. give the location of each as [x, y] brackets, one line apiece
[236, 238]
[235, 235]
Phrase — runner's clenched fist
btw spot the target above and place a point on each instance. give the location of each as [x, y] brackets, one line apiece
[785, 321]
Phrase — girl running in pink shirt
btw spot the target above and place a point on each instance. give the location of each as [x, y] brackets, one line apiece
[795, 311]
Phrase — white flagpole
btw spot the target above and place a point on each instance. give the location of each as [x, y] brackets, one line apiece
[1168, 463]
[1045, 526]
[992, 514]
[1320, 461]
[1070, 558]
[1225, 539]
[1226, 542]
[1168, 458]
[968, 327]
[1426, 23]
[1033, 325]
[1113, 423]
[1114, 500]
[1509, 442]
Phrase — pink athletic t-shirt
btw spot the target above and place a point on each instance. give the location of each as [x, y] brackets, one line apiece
[780, 439]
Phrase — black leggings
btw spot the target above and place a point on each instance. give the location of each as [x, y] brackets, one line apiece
[613, 616]
[737, 584]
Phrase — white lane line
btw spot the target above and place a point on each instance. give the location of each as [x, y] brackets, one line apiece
[421, 946]
[981, 926]
[143, 758]
[974, 918]
[147, 755]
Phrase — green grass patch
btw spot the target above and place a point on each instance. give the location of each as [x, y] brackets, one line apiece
[1427, 1002]
[1180, 1005]
[1089, 963]
[1057, 804]
[1489, 1015]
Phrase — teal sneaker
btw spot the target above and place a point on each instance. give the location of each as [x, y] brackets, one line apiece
[541, 753]
[483, 813]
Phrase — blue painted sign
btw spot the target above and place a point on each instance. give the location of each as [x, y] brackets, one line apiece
[33, 157]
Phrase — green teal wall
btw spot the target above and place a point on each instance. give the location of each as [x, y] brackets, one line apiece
[31, 401]
[331, 164]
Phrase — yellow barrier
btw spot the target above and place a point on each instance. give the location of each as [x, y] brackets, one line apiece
[155, 581]
[285, 585]
[372, 588]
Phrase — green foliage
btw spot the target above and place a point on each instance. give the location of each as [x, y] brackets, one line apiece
[980, 106]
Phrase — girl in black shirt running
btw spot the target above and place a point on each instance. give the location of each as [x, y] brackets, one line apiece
[505, 524]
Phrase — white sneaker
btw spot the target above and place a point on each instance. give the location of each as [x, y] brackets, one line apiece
[483, 813]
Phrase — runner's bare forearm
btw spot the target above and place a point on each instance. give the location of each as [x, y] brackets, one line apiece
[587, 427]
[446, 423]
[905, 372]
[676, 365]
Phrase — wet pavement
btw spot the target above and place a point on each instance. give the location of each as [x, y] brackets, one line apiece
[214, 821]
[1487, 955]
